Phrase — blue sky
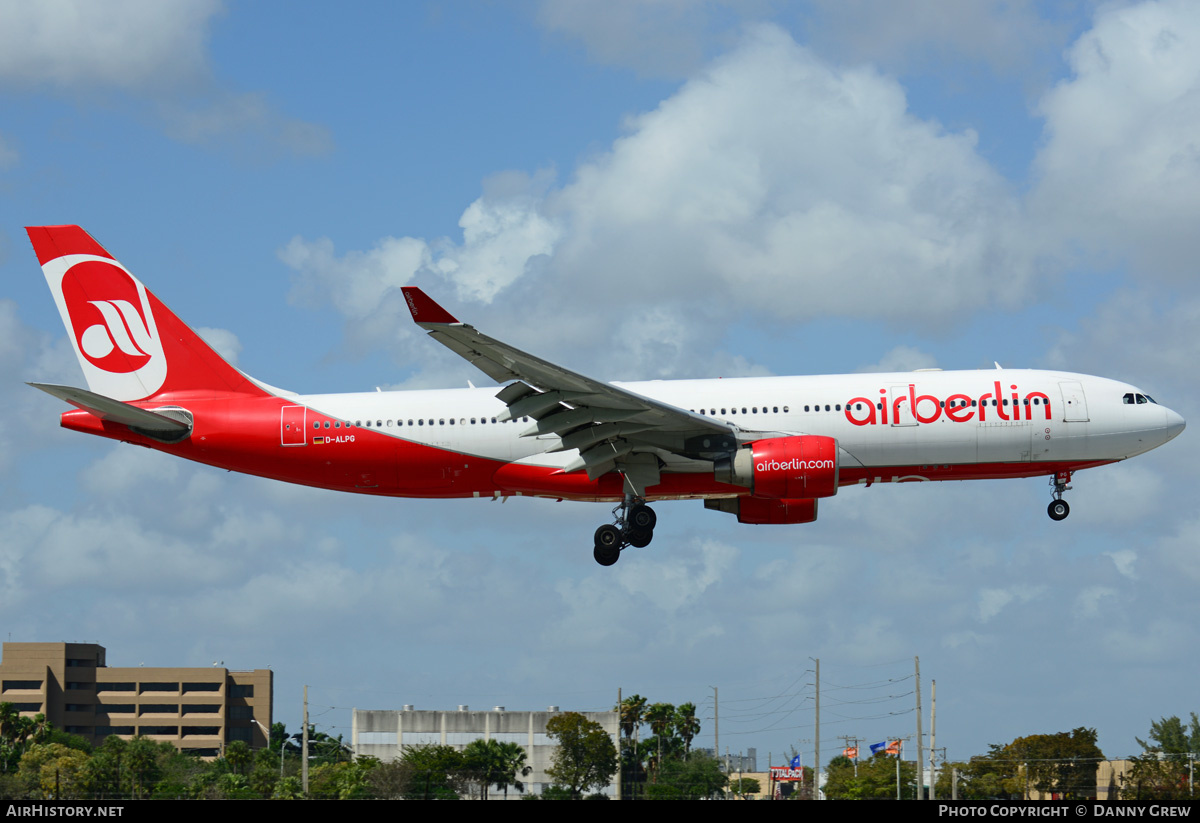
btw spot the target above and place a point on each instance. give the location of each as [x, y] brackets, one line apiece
[637, 190]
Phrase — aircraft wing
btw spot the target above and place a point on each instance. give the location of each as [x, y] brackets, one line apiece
[612, 427]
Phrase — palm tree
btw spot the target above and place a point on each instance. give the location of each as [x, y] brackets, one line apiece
[513, 757]
[687, 725]
[632, 709]
[632, 714]
[661, 717]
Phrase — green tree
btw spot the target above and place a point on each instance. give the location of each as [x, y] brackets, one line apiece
[238, 755]
[51, 770]
[744, 786]
[632, 711]
[389, 781]
[585, 757]
[437, 772]
[1161, 772]
[484, 764]
[1172, 739]
[687, 725]
[982, 778]
[515, 759]
[661, 717]
[17, 733]
[876, 778]
[695, 777]
[1064, 764]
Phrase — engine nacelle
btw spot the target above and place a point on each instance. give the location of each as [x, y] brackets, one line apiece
[762, 511]
[793, 468]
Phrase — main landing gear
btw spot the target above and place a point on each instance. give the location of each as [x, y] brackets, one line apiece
[634, 527]
[1058, 508]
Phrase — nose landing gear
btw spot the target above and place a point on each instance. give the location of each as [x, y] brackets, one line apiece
[634, 527]
[1058, 508]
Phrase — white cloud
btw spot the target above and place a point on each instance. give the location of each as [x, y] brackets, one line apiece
[667, 37]
[1090, 602]
[1120, 168]
[77, 45]
[356, 282]
[501, 236]
[674, 583]
[1126, 561]
[1007, 35]
[152, 51]
[901, 358]
[223, 341]
[992, 601]
[246, 115]
[772, 186]
[777, 184]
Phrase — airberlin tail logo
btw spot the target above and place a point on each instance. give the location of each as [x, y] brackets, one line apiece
[121, 330]
[107, 311]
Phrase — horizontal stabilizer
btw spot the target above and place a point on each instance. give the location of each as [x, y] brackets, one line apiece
[108, 409]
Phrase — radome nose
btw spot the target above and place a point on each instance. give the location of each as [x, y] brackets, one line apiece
[1174, 424]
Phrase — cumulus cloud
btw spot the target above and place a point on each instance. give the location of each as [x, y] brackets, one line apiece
[501, 237]
[150, 51]
[132, 44]
[1119, 172]
[772, 185]
[779, 182]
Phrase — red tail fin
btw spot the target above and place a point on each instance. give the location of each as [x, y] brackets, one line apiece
[130, 346]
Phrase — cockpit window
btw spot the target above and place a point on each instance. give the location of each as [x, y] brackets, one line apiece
[1132, 398]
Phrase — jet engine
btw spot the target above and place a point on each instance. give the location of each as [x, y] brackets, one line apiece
[792, 468]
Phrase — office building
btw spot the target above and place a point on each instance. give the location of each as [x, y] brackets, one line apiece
[198, 710]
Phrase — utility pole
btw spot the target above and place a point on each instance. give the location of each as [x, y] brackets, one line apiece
[817, 746]
[920, 753]
[716, 722]
[932, 737]
[620, 752]
[304, 746]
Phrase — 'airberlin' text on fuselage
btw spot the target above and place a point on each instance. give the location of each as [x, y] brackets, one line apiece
[957, 408]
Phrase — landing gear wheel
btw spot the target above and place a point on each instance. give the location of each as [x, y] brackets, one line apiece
[640, 539]
[606, 557]
[642, 518]
[1058, 510]
[608, 539]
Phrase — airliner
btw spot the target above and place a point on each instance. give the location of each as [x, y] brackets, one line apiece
[764, 449]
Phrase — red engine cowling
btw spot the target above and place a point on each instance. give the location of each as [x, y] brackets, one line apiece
[792, 468]
[762, 511]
